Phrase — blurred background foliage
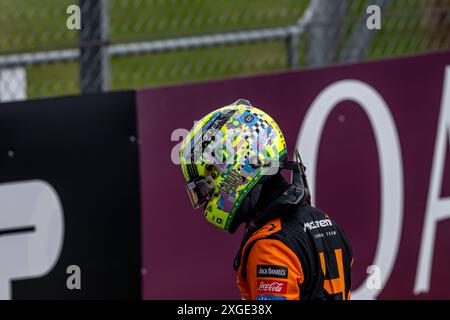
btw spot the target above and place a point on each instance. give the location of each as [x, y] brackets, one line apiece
[408, 27]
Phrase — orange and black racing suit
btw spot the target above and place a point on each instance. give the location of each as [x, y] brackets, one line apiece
[299, 254]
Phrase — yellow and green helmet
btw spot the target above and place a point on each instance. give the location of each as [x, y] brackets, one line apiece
[225, 155]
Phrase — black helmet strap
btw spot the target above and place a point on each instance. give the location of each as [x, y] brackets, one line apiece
[298, 174]
[301, 192]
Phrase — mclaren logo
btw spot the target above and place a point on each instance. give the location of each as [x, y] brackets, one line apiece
[317, 224]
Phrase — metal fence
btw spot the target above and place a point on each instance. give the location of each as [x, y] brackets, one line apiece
[136, 43]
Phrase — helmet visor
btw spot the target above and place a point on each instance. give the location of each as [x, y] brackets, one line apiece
[200, 190]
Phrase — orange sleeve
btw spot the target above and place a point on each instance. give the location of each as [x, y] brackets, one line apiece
[273, 272]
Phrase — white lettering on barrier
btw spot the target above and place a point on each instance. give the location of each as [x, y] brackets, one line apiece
[31, 231]
[389, 156]
[438, 208]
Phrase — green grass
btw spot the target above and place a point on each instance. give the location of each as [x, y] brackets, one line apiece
[402, 15]
[53, 79]
[161, 19]
[34, 25]
[196, 65]
[31, 25]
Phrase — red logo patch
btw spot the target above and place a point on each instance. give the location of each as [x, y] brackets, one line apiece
[265, 286]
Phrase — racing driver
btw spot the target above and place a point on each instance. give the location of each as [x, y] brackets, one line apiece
[232, 161]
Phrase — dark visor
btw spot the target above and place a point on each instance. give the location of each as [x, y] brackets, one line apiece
[200, 190]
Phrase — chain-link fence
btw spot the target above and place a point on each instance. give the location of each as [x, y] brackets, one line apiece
[136, 43]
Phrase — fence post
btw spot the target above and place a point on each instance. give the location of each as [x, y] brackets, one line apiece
[323, 36]
[93, 40]
[292, 49]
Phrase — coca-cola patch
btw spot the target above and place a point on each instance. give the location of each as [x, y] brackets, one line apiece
[265, 286]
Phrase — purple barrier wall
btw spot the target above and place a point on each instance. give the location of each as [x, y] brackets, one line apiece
[378, 196]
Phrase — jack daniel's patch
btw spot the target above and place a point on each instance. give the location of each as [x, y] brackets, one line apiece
[271, 271]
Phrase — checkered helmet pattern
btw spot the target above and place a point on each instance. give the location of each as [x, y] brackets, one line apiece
[235, 145]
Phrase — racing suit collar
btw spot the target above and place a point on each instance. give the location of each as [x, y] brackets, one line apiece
[280, 201]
